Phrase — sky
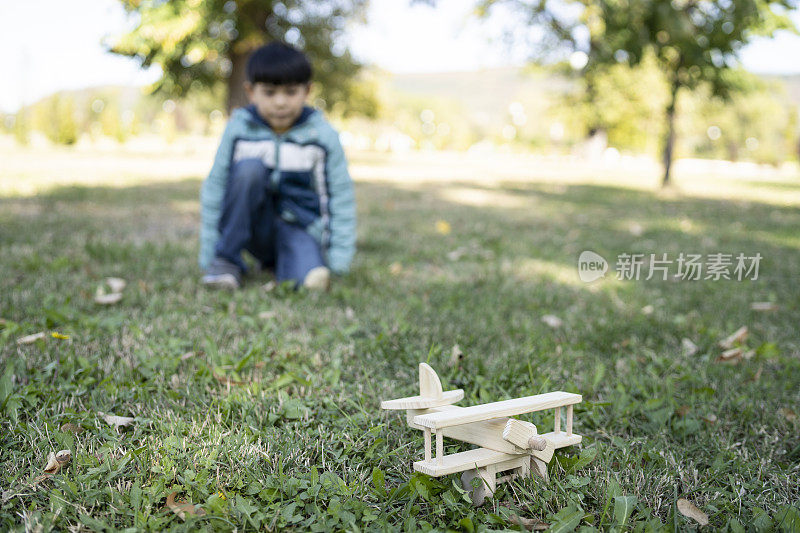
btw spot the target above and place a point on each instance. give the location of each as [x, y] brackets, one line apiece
[49, 45]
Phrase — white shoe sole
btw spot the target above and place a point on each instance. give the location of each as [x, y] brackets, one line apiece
[318, 279]
[223, 281]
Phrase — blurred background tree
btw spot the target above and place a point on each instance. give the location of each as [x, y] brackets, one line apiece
[202, 44]
[55, 117]
[693, 42]
[21, 127]
[622, 101]
[750, 125]
[575, 97]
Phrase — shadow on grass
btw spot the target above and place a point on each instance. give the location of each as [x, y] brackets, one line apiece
[483, 281]
[551, 223]
[518, 263]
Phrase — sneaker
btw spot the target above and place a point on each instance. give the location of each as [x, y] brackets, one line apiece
[318, 279]
[224, 274]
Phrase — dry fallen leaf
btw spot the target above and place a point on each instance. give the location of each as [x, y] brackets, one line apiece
[648, 310]
[116, 284]
[788, 414]
[682, 410]
[757, 375]
[733, 356]
[455, 355]
[182, 508]
[267, 315]
[349, 313]
[71, 428]
[710, 418]
[456, 254]
[395, 268]
[737, 336]
[689, 510]
[552, 321]
[689, 348]
[763, 306]
[187, 355]
[30, 339]
[531, 524]
[108, 299]
[55, 462]
[228, 381]
[269, 286]
[117, 421]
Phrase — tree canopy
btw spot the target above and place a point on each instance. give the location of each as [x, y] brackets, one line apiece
[204, 44]
[694, 42]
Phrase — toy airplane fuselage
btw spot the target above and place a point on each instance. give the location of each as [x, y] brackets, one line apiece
[505, 443]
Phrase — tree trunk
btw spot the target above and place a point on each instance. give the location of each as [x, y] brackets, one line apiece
[236, 95]
[669, 141]
[798, 148]
[253, 22]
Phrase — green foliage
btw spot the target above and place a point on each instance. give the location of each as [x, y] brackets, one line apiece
[55, 117]
[21, 128]
[566, 520]
[623, 507]
[67, 128]
[626, 102]
[693, 43]
[110, 120]
[205, 43]
[757, 125]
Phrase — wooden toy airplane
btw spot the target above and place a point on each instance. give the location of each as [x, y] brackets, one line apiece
[507, 445]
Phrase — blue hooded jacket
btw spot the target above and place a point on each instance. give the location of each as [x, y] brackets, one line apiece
[307, 172]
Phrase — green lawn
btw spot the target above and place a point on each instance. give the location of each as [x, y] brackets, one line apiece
[274, 421]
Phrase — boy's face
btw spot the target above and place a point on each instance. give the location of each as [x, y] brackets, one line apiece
[279, 105]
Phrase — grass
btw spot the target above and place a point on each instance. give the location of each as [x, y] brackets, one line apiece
[273, 422]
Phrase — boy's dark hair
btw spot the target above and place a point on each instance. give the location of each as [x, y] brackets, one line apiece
[279, 64]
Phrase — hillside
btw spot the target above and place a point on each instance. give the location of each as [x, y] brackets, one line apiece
[791, 84]
[484, 89]
[487, 91]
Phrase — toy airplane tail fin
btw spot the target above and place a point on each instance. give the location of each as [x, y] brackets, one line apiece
[430, 393]
[429, 384]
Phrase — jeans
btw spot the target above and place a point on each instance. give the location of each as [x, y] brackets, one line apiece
[250, 221]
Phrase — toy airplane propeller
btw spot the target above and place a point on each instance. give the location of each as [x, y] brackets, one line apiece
[506, 445]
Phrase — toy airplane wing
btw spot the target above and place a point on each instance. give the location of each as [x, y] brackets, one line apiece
[503, 409]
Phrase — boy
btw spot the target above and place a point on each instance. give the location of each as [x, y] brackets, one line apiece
[279, 187]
